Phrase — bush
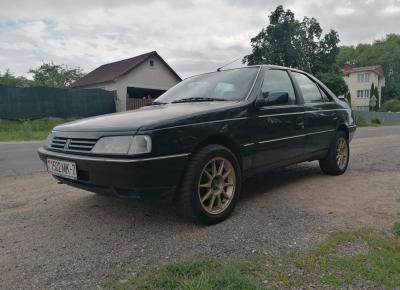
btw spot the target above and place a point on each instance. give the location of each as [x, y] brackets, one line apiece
[360, 121]
[392, 105]
[376, 121]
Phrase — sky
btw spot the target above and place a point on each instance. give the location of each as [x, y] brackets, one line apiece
[193, 36]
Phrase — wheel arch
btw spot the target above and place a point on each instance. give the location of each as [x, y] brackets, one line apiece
[222, 140]
[344, 128]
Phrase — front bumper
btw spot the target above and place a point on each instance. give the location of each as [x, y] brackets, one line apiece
[145, 177]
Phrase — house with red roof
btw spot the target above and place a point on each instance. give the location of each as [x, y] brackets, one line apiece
[137, 80]
[359, 81]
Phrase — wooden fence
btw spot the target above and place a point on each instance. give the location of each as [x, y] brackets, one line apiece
[132, 103]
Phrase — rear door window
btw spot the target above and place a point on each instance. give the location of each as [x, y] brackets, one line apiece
[309, 89]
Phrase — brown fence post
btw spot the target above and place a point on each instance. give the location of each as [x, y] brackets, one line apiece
[133, 104]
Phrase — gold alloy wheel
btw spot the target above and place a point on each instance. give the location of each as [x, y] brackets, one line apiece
[217, 185]
[342, 153]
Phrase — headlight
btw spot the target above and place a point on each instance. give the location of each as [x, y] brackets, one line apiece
[140, 144]
[123, 145]
[47, 144]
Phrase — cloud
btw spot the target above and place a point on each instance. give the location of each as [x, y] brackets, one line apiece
[192, 36]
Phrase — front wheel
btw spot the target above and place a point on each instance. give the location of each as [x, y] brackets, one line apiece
[337, 159]
[211, 185]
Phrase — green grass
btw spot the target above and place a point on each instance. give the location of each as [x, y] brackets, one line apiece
[200, 273]
[353, 258]
[27, 130]
[396, 229]
[376, 121]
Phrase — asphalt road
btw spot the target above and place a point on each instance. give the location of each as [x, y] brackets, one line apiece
[20, 158]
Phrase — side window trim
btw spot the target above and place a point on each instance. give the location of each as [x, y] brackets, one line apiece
[329, 98]
[297, 91]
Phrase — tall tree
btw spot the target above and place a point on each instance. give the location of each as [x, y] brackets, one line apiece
[376, 94]
[289, 42]
[57, 76]
[372, 90]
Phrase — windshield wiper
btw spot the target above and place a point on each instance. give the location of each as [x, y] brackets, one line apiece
[157, 103]
[197, 99]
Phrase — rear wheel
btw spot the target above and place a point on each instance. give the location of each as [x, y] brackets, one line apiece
[337, 159]
[211, 185]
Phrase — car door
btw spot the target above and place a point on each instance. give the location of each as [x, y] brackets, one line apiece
[320, 114]
[279, 127]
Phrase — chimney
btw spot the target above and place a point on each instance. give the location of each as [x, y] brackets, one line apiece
[347, 66]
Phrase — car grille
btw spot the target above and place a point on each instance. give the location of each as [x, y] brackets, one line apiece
[72, 144]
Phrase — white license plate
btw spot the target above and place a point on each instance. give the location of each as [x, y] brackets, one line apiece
[62, 168]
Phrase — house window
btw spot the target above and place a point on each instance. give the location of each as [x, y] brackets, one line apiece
[363, 93]
[151, 62]
[363, 77]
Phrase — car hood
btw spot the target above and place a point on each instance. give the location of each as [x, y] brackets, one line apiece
[147, 118]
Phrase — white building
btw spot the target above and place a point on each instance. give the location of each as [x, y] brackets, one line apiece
[359, 81]
[141, 77]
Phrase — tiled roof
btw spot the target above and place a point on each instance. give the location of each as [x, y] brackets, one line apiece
[378, 69]
[111, 71]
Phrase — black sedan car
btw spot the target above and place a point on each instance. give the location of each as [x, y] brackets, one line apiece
[198, 141]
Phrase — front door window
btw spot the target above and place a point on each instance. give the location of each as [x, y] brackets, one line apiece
[278, 81]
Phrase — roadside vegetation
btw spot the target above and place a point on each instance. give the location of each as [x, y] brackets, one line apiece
[358, 258]
[14, 130]
[392, 105]
[362, 122]
[373, 122]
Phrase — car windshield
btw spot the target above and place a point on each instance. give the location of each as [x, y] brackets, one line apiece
[229, 85]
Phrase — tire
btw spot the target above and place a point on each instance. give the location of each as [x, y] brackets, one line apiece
[337, 159]
[209, 192]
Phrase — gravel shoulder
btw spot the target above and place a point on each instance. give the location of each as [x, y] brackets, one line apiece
[54, 236]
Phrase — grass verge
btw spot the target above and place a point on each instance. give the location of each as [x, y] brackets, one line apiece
[27, 130]
[360, 258]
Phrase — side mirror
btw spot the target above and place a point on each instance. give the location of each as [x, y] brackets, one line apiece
[273, 99]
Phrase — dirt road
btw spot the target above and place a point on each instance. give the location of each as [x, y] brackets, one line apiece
[54, 236]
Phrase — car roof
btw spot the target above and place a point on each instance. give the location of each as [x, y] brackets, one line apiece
[273, 66]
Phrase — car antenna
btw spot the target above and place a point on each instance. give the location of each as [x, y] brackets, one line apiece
[219, 69]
